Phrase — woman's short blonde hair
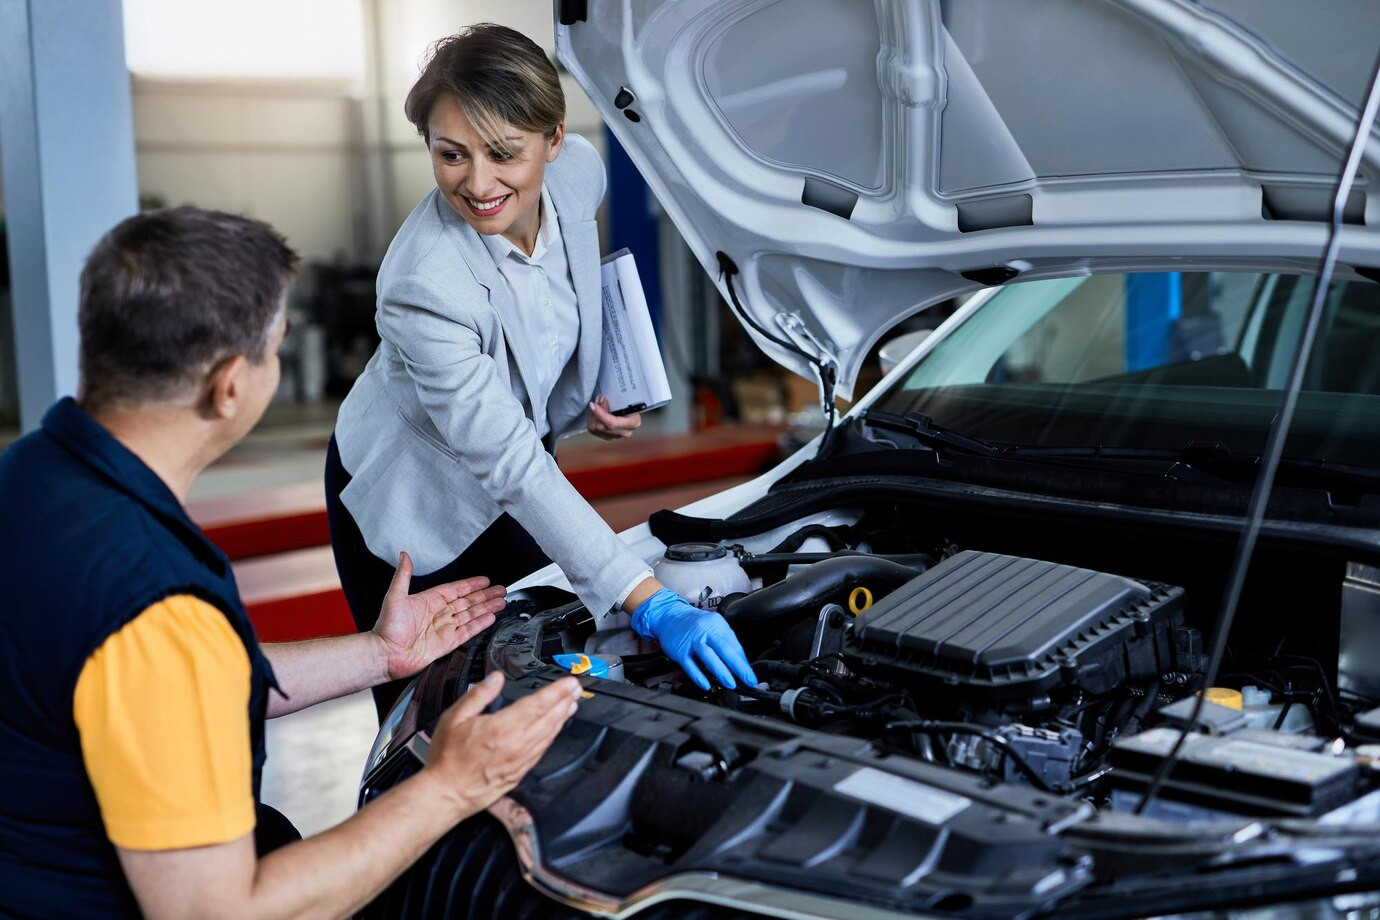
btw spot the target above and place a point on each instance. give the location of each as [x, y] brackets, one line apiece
[497, 75]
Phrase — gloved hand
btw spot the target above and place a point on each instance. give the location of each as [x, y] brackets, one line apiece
[693, 637]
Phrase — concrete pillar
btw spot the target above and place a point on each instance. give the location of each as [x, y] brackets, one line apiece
[67, 157]
[378, 185]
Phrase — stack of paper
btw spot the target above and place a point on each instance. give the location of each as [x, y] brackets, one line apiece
[631, 372]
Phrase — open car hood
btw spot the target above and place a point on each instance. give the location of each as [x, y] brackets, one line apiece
[859, 161]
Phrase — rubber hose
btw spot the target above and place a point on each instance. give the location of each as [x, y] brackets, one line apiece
[756, 562]
[824, 582]
[792, 543]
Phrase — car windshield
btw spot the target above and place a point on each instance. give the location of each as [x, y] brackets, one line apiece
[1157, 361]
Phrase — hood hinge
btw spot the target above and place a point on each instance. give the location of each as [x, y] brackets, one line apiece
[799, 339]
[826, 364]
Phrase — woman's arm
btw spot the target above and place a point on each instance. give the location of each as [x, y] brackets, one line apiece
[488, 430]
[459, 386]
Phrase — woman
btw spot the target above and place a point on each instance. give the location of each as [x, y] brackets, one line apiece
[489, 311]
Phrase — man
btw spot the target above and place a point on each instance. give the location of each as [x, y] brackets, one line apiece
[132, 689]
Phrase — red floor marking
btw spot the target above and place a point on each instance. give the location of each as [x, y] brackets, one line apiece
[682, 469]
[264, 533]
[306, 616]
[266, 536]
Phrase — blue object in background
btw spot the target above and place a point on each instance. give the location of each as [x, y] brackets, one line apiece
[1154, 302]
[632, 223]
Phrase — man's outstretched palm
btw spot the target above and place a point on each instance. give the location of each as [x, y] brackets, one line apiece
[416, 629]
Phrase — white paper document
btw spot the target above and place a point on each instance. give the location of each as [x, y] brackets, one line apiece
[631, 373]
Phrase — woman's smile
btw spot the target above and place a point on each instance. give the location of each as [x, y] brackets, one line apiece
[487, 207]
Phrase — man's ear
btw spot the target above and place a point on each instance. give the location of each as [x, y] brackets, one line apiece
[225, 387]
[554, 142]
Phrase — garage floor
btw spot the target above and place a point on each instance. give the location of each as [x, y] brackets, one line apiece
[315, 758]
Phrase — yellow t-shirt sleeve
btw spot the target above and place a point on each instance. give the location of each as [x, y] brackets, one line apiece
[162, 708]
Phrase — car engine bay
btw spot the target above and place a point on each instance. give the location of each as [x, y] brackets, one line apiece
[1067, 679]
[960, 709]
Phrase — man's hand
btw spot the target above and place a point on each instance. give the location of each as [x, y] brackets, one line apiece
[481, 757]
[474, 760]
[604, 424]
[415, 629]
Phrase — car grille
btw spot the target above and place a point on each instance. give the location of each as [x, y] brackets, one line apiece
[473, 873]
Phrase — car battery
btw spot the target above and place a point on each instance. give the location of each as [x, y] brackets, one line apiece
[1255, 773]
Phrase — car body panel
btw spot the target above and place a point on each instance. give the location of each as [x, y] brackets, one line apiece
[855, 160]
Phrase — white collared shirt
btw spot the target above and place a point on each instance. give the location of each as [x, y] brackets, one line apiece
[545, 312]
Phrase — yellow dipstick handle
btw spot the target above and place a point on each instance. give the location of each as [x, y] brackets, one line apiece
[581, 666]
[859, 600]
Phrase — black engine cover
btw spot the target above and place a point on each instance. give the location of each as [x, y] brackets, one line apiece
[1004, 627]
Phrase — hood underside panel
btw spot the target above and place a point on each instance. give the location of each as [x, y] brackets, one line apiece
[855, 159]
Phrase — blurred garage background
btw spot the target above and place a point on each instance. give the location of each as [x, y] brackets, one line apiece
[291, 111]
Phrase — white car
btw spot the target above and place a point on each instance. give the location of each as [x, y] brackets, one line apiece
[1020, 580]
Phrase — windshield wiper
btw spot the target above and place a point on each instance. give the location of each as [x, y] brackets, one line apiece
[1297, 472]
[1208, 458]
[925, 431]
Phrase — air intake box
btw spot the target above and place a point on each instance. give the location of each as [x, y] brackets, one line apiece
[1008, 628]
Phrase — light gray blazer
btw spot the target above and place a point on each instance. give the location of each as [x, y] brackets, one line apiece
[437, 432]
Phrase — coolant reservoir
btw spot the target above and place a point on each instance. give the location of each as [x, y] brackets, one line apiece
[1261, 712]
[702, 573]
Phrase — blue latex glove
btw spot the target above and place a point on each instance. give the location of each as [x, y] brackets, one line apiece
[693, 637]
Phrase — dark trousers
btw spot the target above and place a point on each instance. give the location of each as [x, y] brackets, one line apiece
[272, 830]
[504, 553]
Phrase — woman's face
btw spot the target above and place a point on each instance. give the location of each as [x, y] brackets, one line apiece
[494, 191]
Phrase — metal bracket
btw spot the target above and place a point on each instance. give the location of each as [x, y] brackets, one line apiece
[828, 630]
[826, 363]
[419, 746]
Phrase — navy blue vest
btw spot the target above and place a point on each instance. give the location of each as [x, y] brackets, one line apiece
[89, 538]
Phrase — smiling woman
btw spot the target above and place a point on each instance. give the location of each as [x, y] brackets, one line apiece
[490, 317]
[490, 144]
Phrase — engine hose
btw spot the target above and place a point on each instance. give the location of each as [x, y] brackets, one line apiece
[827, 581]
[830, 535]
[762, 563]
[770, 667]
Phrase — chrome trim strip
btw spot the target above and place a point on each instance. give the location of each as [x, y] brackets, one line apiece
[419, 746]
[703, 887]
